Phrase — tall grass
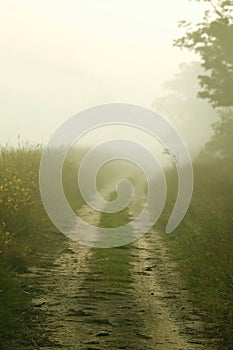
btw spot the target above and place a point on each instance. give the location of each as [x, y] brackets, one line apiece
[203, 242]
[26, 232]
[23, 225]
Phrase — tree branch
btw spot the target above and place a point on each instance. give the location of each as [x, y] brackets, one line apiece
[215, 9]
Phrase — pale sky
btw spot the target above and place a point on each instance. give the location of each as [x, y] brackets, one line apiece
[61, 56]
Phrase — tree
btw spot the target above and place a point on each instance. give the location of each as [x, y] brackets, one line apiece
[187, 112]
[212, 39]
[220, 145]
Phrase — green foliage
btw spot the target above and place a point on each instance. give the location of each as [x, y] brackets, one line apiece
[70, 177]
[212, 40]
[24, 231]
[221, 144]
[13, 306]
[18, 182]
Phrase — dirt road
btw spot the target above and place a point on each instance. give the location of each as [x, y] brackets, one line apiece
[116, 299]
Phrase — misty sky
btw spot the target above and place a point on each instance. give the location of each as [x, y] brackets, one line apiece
[61, 56]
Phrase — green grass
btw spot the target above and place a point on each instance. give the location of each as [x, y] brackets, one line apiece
[113, 262]
[13, 306]
[203, 243]
[28, 238]
[24, 235]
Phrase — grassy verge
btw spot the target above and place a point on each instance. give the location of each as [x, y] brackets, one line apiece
[203, 243]
[24, 241]
[28, 238]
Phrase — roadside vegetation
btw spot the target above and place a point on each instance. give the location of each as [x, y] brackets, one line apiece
[28, 238]
[25, 238]
[203, 242]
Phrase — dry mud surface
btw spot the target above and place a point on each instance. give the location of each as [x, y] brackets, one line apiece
[150, 310]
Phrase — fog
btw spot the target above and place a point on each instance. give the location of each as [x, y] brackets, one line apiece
[59, 58]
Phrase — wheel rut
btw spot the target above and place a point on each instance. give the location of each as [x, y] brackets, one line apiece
[119, 298]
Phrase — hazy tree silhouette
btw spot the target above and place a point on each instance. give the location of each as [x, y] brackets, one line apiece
[212, 39]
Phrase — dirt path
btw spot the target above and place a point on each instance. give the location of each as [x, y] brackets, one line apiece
[86, 307]
[170, 318]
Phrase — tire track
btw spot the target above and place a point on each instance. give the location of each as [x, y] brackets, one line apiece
[141, 306]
